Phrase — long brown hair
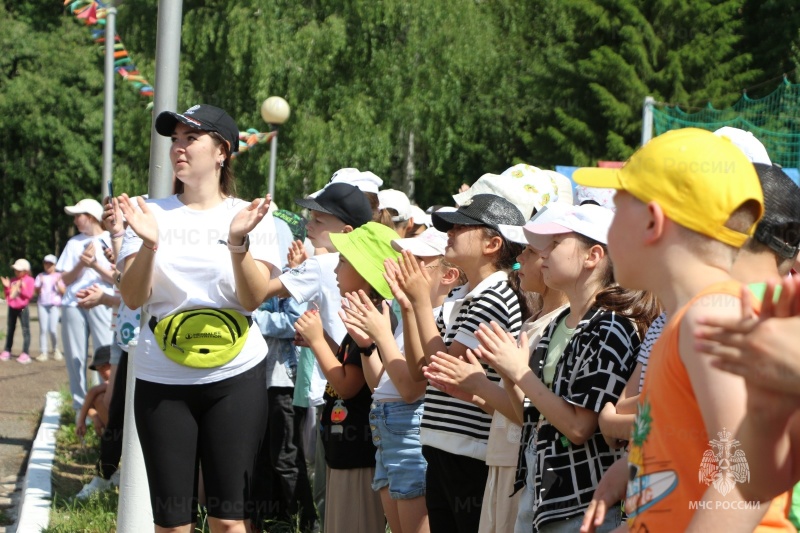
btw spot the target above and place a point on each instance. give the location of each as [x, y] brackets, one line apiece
[227, 180]
[642, 307]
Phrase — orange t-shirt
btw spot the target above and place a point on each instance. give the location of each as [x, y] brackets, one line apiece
[672, 459]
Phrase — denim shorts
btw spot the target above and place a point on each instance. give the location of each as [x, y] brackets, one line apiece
[398, 460]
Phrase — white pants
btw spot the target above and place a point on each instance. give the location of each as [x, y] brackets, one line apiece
[49, 316]
[76, 326]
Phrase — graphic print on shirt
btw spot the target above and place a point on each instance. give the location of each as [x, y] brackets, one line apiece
[338, 412]
[645, 489]
[722, 466]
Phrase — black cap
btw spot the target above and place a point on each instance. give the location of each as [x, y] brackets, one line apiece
[102, 356]
[483, 210]
[342, 200]
[202, 117]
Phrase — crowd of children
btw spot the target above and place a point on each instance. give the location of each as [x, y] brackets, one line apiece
[529, 360]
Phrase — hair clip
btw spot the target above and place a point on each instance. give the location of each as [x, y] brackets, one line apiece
[515, 266]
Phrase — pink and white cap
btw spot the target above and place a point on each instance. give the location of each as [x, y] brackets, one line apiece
[430, 243]
[589, 220]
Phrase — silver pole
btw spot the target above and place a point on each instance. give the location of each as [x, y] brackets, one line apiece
[647, 119]
[134, 512]
[273, 158]
[168, 50]
[108, 100]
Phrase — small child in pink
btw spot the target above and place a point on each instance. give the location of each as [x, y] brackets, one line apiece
[19, 292]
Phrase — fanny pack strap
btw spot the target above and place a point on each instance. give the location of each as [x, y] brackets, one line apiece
[154, 321]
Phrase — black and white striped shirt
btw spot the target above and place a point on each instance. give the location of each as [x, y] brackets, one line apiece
[454, 425]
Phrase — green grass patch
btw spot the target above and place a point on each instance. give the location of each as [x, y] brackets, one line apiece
[73, 466]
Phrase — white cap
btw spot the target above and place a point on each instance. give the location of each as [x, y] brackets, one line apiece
[747, 143]
[589, 220]
[397, 200]
[50, 258]
[562, 186]
[420, 216]
[21, 264]
[430, 243]
[595, 195]
[525, 186]
[366, 181]
[88, 206]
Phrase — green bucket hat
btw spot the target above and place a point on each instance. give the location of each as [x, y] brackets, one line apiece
[366, 248]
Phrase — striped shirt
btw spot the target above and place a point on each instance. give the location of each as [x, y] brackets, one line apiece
[450, 424]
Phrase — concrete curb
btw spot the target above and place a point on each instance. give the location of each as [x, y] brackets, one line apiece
[37, 490]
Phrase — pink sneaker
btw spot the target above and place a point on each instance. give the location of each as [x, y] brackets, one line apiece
[5, 356]
[24, 359]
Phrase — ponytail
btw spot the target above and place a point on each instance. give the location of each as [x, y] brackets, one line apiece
[505, 260]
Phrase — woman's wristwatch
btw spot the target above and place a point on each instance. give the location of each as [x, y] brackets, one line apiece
[242, 248]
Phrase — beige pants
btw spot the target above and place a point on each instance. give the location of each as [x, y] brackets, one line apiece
[499, 512]
[351, 506]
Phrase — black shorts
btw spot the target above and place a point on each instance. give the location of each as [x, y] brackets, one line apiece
[219, 425]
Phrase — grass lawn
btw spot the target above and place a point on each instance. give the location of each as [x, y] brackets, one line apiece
[73, 466]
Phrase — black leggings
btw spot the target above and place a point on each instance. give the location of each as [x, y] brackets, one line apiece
[24, 320]
[217, 424]
[111, 441]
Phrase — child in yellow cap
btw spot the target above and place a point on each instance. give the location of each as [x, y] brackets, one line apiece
[686, 202]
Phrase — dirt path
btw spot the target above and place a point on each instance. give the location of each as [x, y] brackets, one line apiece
[22, 396]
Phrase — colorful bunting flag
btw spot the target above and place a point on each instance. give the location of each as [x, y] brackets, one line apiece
[93, 13]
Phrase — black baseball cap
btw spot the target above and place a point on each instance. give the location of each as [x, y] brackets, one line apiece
[484, 210]
[342, 200]
[202, 117]
[101, 357]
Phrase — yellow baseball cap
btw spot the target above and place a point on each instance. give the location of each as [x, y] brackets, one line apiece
[699, 179]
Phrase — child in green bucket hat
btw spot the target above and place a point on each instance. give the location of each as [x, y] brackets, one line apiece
[351, 504]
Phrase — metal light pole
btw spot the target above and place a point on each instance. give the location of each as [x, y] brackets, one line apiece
[168, 51]
[275, 111]
[134, 513]
[108, 100]
[647, 119]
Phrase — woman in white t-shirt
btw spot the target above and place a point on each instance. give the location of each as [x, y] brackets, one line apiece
[199, 262]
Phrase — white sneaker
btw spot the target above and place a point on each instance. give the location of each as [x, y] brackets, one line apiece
[57, 355]
[42, 357]
[115, 477]
[97, 484]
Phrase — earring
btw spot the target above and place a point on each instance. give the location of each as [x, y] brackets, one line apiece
[222, 163]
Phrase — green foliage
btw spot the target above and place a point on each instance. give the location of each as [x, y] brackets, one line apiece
[467, 87]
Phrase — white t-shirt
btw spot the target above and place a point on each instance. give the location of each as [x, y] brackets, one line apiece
[71, 256]
[315, 282]
[193, 270]
[386, 389]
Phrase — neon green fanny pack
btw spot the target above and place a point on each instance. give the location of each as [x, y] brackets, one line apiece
[202, 338]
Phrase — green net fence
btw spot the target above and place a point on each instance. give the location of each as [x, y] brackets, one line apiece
[774, 120]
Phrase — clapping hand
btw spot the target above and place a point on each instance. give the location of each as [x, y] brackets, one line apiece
[309, 325]
[141, 220]
[391, 275]
[90, 296]
[247, 219]
[502, 352]
[297, 254]
[466, 374]
[413, 279]
[363, 320]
